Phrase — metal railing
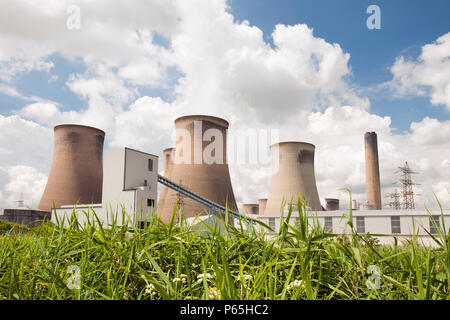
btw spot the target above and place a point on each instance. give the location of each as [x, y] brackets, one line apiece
[213, 207]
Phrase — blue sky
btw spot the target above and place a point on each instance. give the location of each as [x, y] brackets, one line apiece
[134, 66]
[405, 27]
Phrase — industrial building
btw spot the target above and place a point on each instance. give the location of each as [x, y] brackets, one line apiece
[129, 185]
[389, 223]
[83, 178]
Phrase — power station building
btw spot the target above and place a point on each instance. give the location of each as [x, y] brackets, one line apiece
[124, 180]
[129, 185]
[384, 225]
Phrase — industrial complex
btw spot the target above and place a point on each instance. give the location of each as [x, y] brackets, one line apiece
[196, 182]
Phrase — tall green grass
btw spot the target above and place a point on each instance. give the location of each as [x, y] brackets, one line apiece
[174, 261]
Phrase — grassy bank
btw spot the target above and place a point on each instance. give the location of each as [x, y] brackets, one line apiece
[174, 262]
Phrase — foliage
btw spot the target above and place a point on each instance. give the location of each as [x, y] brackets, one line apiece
[168, 261]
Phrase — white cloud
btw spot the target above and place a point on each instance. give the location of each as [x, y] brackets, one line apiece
[23, 181]
[427, 75]
[227, 70]
[25, 152]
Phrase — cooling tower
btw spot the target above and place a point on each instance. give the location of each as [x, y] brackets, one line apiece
[76, 174]
[332, 204]
[262, 205]
[250, 208]
[372, 170]
[292, 175]
[200, 165]
[169, 155]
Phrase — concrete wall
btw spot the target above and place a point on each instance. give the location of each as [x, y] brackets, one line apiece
[28, 217]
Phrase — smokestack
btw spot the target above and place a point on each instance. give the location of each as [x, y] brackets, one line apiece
[292, 175]
[169, 156]
[332, 204]
[262, 205]
[77, 171]
[372, 170]
[200, 165]
[250, 208]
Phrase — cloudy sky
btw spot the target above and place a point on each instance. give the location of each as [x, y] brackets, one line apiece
[310, 69]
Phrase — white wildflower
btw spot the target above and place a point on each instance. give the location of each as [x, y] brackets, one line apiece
[245, 277]
[214, 294]
[202, 276]
[151, 289]
[295, 284]
[182, 278]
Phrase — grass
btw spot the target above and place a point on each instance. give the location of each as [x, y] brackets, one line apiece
[167, 261]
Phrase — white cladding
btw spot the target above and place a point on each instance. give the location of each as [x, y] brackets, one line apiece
[130, 185]
[375, 222]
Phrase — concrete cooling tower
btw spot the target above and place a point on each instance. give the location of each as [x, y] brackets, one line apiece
[200, 165]
[372, 170]
[332, 204]
[262, 205]
[76, 174]
[292, 175]
[250, 208]
[169, 156]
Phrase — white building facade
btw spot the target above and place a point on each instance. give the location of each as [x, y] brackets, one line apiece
[385, 225]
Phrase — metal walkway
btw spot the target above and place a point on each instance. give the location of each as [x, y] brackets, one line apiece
[213, 207]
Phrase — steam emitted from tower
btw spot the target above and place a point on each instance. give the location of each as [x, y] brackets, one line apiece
[77, 172]
[292, 175]
[372, 170]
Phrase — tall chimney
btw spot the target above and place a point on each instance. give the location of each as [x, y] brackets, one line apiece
[292, 175]
[169, 156]
[372, 170]
[200, 165]
[262, 205]
[77, 171]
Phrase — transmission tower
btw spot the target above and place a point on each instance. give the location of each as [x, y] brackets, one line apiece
[395, 200]
[407, 192]
[20, 203]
